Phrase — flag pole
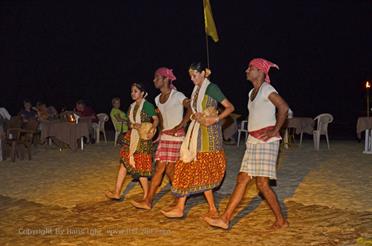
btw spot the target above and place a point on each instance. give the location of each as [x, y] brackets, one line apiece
[209, 27]
[207, 48]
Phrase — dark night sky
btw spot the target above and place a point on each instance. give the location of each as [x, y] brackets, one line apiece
[59, 53]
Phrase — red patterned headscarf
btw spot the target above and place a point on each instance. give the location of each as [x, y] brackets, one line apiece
[263, 65]
[167, 73]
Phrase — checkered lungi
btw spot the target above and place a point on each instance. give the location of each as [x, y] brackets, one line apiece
[168, 151]
[260, 159]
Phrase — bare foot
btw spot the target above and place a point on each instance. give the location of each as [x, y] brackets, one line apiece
[217, 222]
[112, 195]
[141, 204]
[279, 225]
[173, 213]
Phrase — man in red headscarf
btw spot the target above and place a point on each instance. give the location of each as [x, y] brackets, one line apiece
[261, 155]
[170, 104]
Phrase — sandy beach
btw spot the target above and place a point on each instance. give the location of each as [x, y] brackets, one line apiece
[58, 199]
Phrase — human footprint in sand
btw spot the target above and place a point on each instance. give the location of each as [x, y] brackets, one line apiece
[170, 103]
[136, 158]
[262, 145]
[202, 162]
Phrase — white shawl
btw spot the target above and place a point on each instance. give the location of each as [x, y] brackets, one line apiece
[134, 135]
[189, 146]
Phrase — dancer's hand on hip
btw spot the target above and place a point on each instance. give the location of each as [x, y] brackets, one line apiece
[268, 134]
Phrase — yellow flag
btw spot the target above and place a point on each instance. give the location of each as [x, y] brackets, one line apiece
[210, 27]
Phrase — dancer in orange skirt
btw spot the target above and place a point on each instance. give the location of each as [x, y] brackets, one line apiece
[202, 162]
[136, 158]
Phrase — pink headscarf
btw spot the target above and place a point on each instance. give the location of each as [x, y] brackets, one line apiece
[167, 73]
[263, 65]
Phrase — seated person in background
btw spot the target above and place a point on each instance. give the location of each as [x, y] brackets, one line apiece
[52, 112]
[119, 118]
[28, 113]
[84, 111]
[45, 113]
[42, 111]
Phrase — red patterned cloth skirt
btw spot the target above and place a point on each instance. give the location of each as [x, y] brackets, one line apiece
[142, 157]
[202, 174]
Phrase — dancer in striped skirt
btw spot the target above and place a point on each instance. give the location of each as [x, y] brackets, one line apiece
[170, 104]
[261, 155]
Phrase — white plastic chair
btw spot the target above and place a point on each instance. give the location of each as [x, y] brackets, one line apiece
[117, 133]
[243, 128]
[117, 130]
[4, 114]
[102, 118]
[321, 128]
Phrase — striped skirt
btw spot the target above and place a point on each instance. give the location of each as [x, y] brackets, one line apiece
[260, 159]
[168, 151]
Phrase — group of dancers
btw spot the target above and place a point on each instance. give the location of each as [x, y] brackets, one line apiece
[194, 160]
